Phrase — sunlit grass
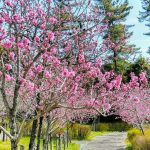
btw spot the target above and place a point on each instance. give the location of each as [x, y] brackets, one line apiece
[128, 145]
[95, 134]
[25, 142]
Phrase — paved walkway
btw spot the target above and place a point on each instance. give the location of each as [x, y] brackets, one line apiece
[112, 141]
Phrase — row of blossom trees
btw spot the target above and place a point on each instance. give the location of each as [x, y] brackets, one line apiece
[50, 64]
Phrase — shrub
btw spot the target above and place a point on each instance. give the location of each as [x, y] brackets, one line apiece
[113, 127]
[132, 133]
[83, 131]
[80, 132]
[73, 131]
[104, 127]
[139, 141]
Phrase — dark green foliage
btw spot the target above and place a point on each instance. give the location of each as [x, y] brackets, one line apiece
[116, 12]
[140, 65]
[125, 68]
[145, 13]
[113, 127]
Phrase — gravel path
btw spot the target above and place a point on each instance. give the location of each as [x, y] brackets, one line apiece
[113, 141]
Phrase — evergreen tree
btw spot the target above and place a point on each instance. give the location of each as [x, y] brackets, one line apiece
[118, 33]
[145, 15]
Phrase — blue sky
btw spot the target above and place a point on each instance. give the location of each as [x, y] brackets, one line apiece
[142, 41]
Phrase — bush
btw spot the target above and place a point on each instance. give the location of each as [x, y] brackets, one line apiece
[113, 127]
[80, 132]
[132, 133]
[83, 131]
[104, 127]
[139, 141]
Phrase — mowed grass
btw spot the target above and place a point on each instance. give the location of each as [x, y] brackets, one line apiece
[72, 146]
[25, 142]
[95, 134]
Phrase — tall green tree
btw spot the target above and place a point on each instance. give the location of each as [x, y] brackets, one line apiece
[145, 15]
[118, 33]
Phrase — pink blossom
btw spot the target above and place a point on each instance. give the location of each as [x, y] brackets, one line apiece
[12, 56]
[56, 62]
[34, 22]
[143, 78]
[53, 50]
[8, 67]
[109, 86]
[16, 18]
[25, 41]
[58, 81]
[22, 81]
[47, 74]
[31, 87]
[50, 35]
[31, 14]
[8, 45]
[118, 81]
[78, 78]
[39, 69]
[37, 39]
[52, 20]
[71, 74]
[136, 100]
[98, 63]
[48, 1]
[65, 73]
[8, 3]
[81, 58]
[1, 20]
[8, 78]
[20, 45]
[31, 74]
[43, 26]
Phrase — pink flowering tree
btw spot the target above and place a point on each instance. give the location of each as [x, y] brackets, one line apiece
[46, 51]
[132, 103]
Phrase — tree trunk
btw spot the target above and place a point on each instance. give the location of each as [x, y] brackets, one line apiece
[115, 61]
[33, 134]
[142, 130]
[14, 143]
[39, 133]
[34, 127]
[47, 134]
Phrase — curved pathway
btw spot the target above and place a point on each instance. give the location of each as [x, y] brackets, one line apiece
[112, 141]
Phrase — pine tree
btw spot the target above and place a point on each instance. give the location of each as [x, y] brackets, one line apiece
[145, 15]
[118, 33]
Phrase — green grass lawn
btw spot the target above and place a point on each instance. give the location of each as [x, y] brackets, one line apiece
[95, 134]
[25, 142]
[72, 146]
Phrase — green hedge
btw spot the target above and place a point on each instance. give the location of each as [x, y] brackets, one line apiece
[112, 127]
